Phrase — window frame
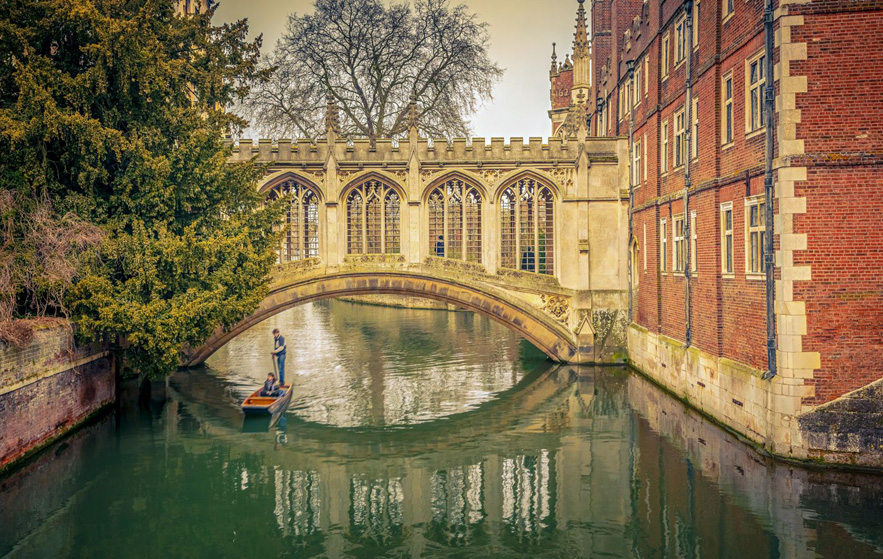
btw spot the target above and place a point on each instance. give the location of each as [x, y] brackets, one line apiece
[694, 136]
[665, 147]
[750, 230]
[680, 43]
[636, 164]
[636, 87]
[760, 84]
[694, 240]
[549, 258]
[470, 199]
[697, 13]
[728, 8]
[727, 104]
[646, 77]
[666, 54]
[678, 244]
[663, 245]
[727, 207]
[680, 129]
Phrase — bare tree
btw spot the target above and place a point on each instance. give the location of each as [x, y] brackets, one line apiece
[373, 59]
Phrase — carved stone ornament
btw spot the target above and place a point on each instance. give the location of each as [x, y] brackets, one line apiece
[564, 177]
[491, 176]
[557, 306]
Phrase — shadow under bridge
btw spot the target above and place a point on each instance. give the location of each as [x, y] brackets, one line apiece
[542, 316]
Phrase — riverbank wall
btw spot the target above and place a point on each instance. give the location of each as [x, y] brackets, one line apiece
[772, 414]
[48, 387]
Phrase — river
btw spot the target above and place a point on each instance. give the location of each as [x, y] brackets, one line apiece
[419, 433]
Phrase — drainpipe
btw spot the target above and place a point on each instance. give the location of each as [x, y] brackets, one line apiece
[630, 66]
[769, 256]
[688, 142]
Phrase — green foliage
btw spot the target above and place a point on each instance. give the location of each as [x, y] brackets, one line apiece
[110, 112]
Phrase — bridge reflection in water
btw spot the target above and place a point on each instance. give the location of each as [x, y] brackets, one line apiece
[562, 462]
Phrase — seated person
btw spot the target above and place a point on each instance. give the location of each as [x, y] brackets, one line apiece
[270, 387]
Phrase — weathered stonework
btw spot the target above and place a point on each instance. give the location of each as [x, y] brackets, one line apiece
[848, 430]
[47, 388]
[586, 177]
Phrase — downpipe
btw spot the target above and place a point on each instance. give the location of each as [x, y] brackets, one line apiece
[769, 256]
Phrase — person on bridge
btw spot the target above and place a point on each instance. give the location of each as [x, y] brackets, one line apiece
[440, 247]
[279, 353]
[270, 387]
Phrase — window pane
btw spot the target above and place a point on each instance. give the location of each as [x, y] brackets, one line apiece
[455, 219]
[473, 227]
[526, 224]
[546, 233]
[355, 223]
[311, 224]
[374, 216]
[436, 223]
[729, 253]
[392, 220]
[507, 229]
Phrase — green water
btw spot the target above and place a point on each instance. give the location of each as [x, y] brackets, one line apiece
[420, 434]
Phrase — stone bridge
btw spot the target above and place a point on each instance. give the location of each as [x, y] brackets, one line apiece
[530, 234]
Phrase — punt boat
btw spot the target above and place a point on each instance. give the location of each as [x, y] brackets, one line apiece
[267, 405]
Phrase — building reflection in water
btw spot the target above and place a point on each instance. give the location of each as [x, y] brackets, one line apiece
[568, 462]
[601, 463]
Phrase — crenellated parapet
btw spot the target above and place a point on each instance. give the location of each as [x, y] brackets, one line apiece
[463, 151]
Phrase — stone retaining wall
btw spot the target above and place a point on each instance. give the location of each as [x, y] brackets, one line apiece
[769, 413]
[47, 388]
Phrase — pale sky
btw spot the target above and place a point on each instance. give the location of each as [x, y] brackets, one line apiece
[522, 33]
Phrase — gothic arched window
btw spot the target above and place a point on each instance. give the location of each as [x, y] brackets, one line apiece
[527, 227]
[455, 221]
[301, 221]
[373, 219]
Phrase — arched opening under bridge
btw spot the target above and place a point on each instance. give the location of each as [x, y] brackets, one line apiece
[547, 334]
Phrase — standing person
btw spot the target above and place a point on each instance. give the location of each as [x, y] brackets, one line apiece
[440, 247]
[279, 354]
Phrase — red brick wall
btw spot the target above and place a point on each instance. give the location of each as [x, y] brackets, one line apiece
[842, 127]
[728, 317]
[561, 86]
[844, 300]
[37, 412]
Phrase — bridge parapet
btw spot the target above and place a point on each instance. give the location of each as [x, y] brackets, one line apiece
[458, 150]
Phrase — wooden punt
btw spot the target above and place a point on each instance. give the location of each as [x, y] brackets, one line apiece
[267, 405]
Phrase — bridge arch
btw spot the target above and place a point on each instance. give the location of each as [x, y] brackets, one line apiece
[513, 177]
[361, 177]
[464, 175]
[273, 180]
[543, 331]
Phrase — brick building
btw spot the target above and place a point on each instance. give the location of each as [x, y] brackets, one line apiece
[703, 332]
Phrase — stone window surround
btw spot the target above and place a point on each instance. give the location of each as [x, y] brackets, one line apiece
[724, 208]
[727, 142]
[758, 200]
[759, 85]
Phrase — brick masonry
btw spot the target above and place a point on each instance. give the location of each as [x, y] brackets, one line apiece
[828, 172]
[47, 388]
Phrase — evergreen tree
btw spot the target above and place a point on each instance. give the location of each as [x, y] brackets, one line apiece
[111, 114]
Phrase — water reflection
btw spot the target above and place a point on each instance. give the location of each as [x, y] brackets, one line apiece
[360, 365]
[568, 462]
